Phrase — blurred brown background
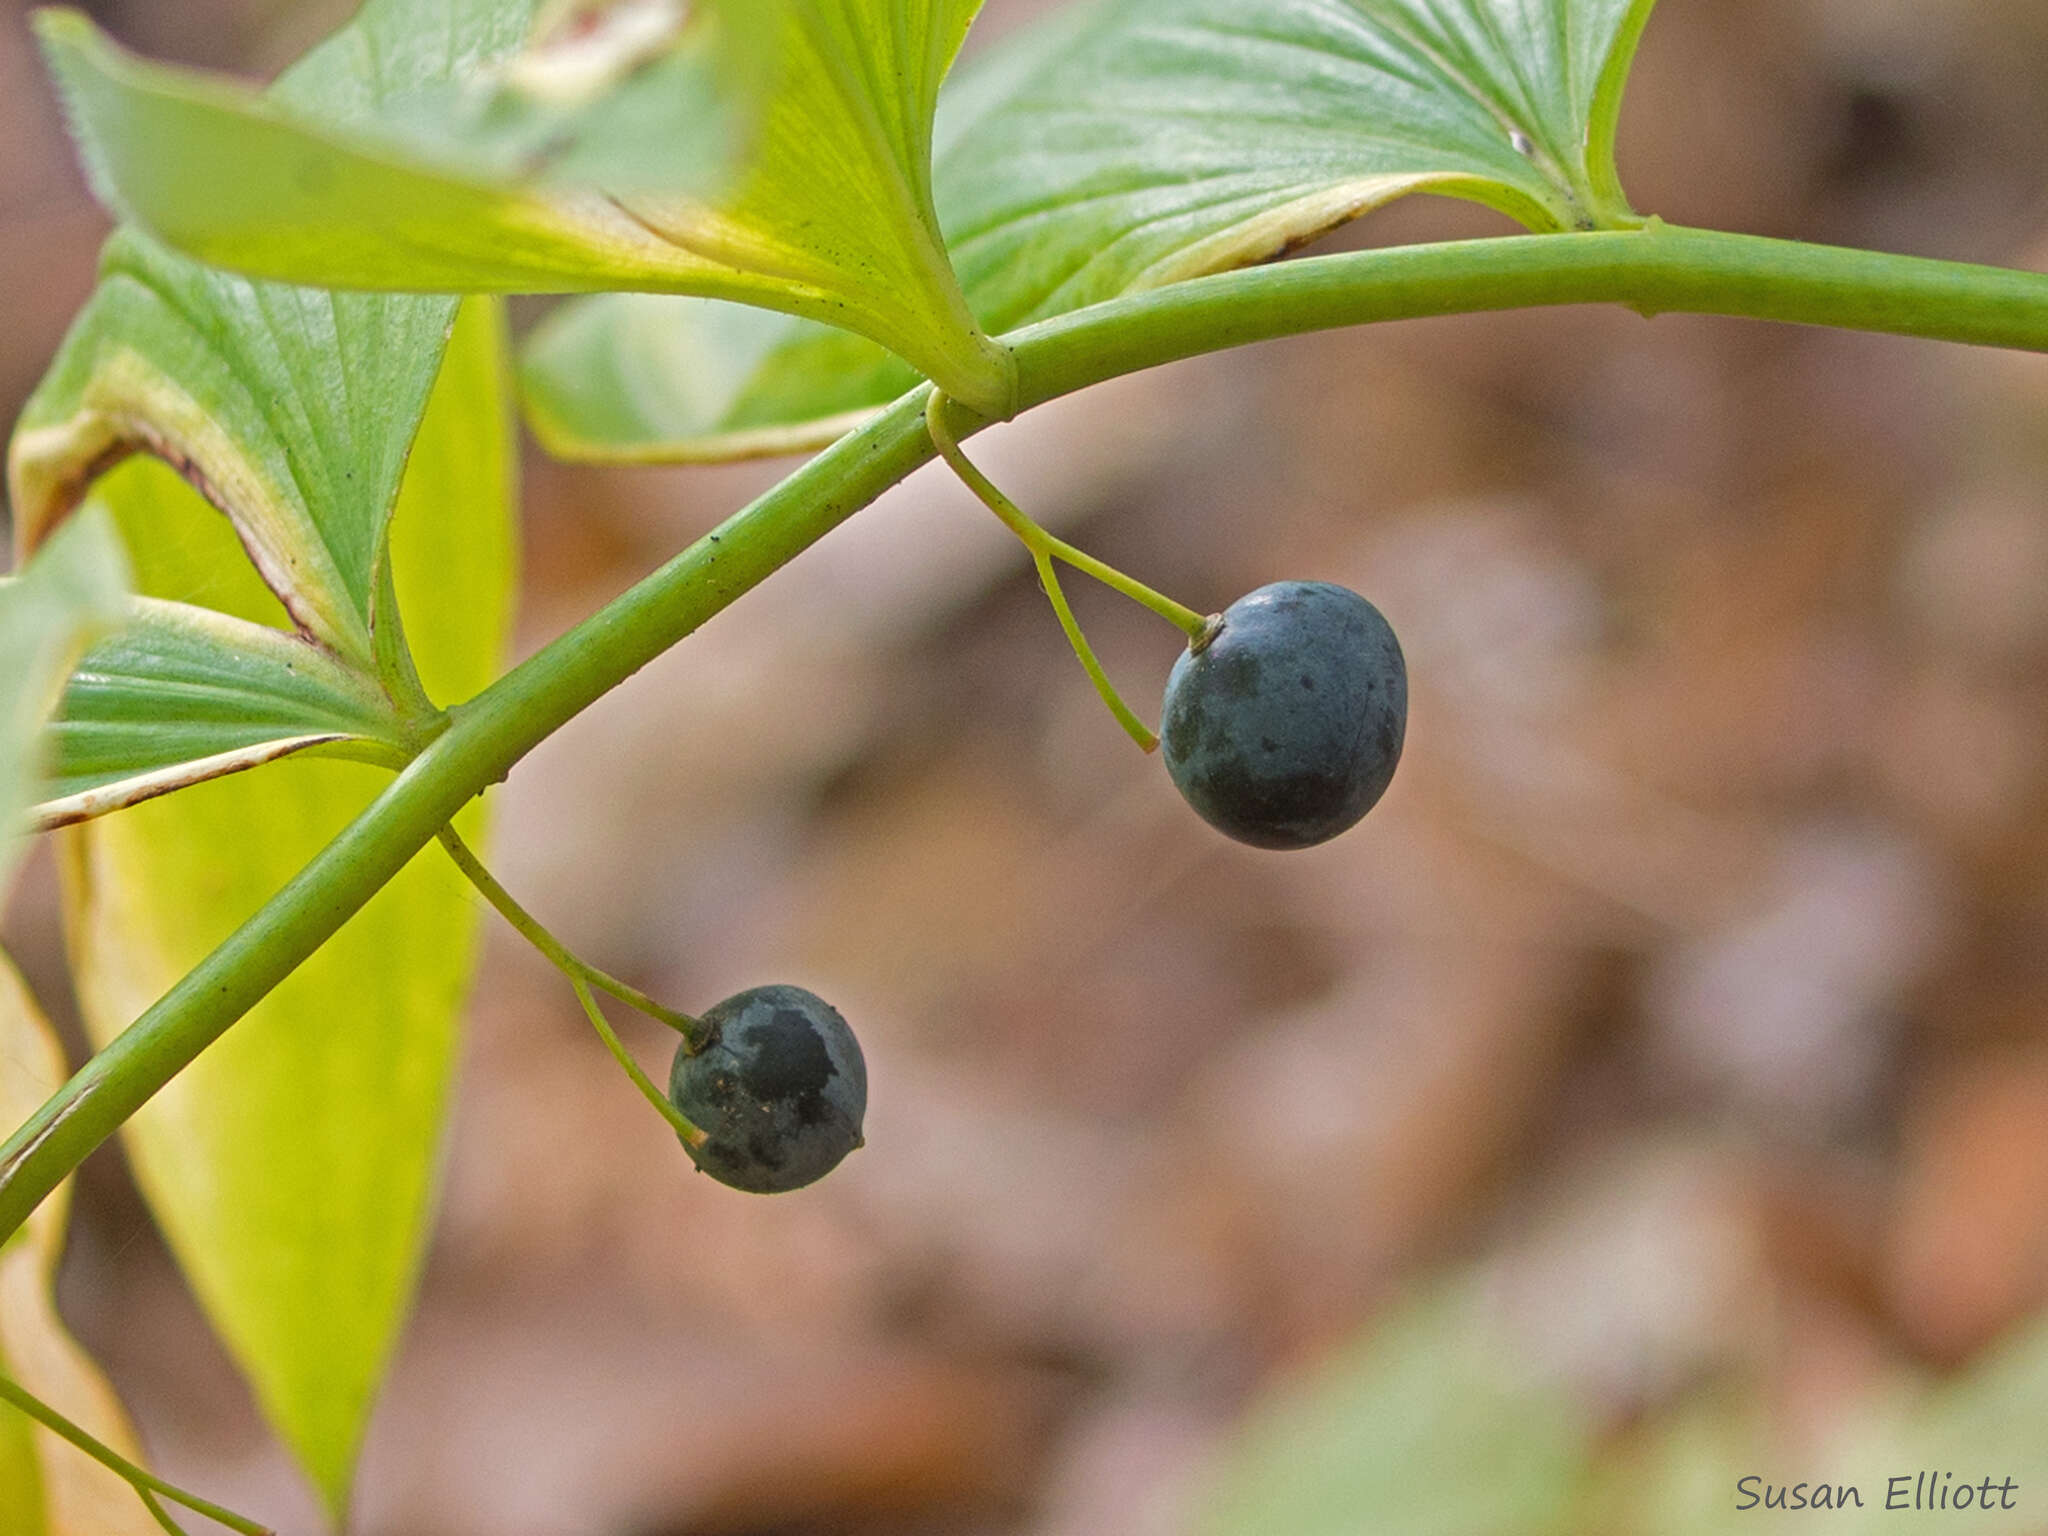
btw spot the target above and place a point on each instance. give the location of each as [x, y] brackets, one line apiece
[1695, 967]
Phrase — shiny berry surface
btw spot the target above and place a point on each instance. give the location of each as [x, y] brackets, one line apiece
[779, 1088]
[1284, 728]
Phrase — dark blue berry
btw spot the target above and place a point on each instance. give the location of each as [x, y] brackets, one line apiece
[778, 1087]
[1283, 728]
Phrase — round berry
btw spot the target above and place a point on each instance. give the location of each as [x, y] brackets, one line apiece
[1283, 725]
[778, 1087]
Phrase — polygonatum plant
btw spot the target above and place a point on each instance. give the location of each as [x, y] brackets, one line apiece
[264, 505]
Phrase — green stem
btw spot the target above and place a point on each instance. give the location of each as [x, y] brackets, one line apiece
[158, 1513]
[1659, 269]
[1034, 536]
[558, 953]
[147, 1486]
[583, 976]
[1653, 269]
[1044, 550]
[1049, 578]
[690, 1135]
[1180, 616]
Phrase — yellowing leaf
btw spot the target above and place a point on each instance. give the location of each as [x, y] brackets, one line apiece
[293, 411]
[49, 1488]
[292, 1166]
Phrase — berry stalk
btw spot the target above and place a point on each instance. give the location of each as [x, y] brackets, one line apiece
[1036, 539]
[1049, 580]
[557, 953]
[1045, 549]
[148, 1487]
[688, 1134]
[583, 976]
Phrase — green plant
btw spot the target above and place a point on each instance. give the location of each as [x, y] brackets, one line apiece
[1096, 198]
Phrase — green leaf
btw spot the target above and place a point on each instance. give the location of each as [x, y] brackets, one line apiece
[1124, 145]
[626, 94]
[292, 1166]
[72, 590]
[1428, 1425]
[178, 694]
[351, 179]
[643, 378]
[291, 409]
[48, 1488]
[828, 213]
